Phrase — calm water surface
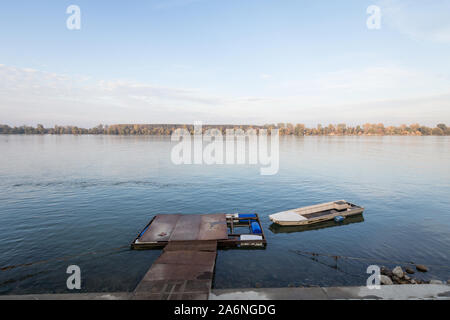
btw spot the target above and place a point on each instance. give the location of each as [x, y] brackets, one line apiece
[61, 196]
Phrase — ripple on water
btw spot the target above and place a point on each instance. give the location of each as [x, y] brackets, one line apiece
[64, 199]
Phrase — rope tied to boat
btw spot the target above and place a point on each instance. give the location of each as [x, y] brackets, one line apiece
[336, 257]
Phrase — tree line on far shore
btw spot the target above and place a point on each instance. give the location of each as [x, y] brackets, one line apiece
[284, 129]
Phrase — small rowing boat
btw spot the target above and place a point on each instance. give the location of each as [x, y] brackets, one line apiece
[336, 210]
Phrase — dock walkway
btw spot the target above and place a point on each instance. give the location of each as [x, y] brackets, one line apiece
[186, 267]
[183, 272]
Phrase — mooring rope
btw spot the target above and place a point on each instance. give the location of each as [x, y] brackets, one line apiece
[334, 256]
[62, 258]
[335, 267]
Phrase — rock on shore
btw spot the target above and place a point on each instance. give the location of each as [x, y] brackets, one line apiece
[385, 280]
[421, 268]
[409, 270]
[398, 276]
[398, 272]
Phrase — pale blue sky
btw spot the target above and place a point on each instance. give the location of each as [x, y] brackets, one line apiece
[224, 61]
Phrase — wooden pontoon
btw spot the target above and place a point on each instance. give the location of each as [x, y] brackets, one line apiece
[185, 269]
[229, 230]
[316, 213]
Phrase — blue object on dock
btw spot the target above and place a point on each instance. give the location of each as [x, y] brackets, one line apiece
[339, 218]
[256, 228]
[246, 215]
[143, 231]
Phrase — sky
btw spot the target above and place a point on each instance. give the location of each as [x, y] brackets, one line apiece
[224, 62]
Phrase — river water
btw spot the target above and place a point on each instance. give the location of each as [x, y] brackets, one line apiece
[62, 196]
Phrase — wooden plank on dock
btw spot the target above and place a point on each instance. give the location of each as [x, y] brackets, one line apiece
[213, 227]
[161, 228]
[192, 245]
[162, 271]
[188, 257]
[187, 228]
[200, 227]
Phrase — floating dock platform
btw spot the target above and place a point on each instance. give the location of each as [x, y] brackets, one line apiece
[185, 270]
[229, 230]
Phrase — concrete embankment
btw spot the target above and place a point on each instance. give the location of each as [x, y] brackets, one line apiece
[396, 292]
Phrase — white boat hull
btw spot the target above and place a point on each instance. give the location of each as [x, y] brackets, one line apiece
[315, 213]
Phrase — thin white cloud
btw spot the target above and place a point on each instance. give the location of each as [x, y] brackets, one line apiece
[370, 84]
[375, 94]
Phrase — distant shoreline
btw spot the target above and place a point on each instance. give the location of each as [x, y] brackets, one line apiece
[285, 129]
